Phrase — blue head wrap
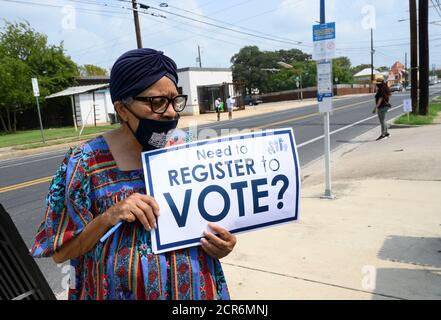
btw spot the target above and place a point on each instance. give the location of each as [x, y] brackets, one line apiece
[138, 69]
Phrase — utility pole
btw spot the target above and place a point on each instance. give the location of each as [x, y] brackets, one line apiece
[199, 55]
[423, 12]
[405, 69]
[136, 19]
[372, 60]
[413, 55]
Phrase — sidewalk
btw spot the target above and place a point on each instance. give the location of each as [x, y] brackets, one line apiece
[184, 122]
[379, 239]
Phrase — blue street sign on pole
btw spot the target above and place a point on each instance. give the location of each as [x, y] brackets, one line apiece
[325, 31]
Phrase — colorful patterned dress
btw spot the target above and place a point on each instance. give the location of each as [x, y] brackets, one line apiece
[87, 183]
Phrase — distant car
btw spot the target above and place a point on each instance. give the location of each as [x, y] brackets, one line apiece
[396, 87]
[408, 88]
[251, 101]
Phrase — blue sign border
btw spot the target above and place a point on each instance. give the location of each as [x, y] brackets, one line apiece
[318, 27]
[197, 144]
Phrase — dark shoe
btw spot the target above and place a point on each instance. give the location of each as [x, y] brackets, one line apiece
[379, 138]
[387, 135]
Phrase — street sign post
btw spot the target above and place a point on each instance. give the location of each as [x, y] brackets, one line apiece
[407, 107]
[324, 41]
[324, 86]
[36, 90]
[324, 51]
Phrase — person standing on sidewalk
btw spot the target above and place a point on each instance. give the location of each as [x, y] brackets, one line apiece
[230, 104]
[381, 107]
[217, 103]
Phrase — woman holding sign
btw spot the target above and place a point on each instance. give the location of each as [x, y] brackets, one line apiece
[100, 183]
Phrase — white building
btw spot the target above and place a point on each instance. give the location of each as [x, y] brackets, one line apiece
[364, 76]
[203, 86]
[91, 105]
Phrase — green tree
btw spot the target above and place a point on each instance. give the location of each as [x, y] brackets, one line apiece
[341, 69]
[89, 70]
[28, 54]
[293, 55]
[15, 90]
[383, 69]
[247, 68]
[286, 79]
[436, 72]
[256, 68]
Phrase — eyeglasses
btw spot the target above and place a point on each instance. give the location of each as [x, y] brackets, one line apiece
[159, 104]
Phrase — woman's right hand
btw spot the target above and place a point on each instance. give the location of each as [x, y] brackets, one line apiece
[136, 207]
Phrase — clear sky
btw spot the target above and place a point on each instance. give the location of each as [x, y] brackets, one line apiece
[97, 32]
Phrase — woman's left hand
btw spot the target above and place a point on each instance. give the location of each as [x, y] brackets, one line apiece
[218, 246]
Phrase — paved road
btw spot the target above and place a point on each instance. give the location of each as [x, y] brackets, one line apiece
[25, 202]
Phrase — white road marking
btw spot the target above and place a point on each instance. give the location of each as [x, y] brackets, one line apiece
[341, 129]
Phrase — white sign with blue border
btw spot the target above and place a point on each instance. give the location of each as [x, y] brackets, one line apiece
[35, 87]
[407, 105]
[241, 182]
[324, 86]
[324, 41]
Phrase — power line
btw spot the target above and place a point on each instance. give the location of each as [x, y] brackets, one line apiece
[436, 6]
[204, 35]
[53, 5]
[242, 20]
[143, 6]
[146, 7]
[230, 24]
[190, 25]
[156, 15]
[387, 46]
[81, 9]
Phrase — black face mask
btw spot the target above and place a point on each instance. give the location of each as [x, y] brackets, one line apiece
[152, 134]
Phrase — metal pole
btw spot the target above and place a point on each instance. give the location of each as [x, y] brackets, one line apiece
[301, 88]
[322, 12]
[73, 112]
[328, 188]
[405, 69]
[372, 59]
[136, 19]
[39, 118]
[413, 55]
[423, 27]
[328, 191]
[94, 111]
[199, 53]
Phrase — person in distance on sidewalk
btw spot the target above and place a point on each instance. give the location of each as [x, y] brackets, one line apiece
[381, 106]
